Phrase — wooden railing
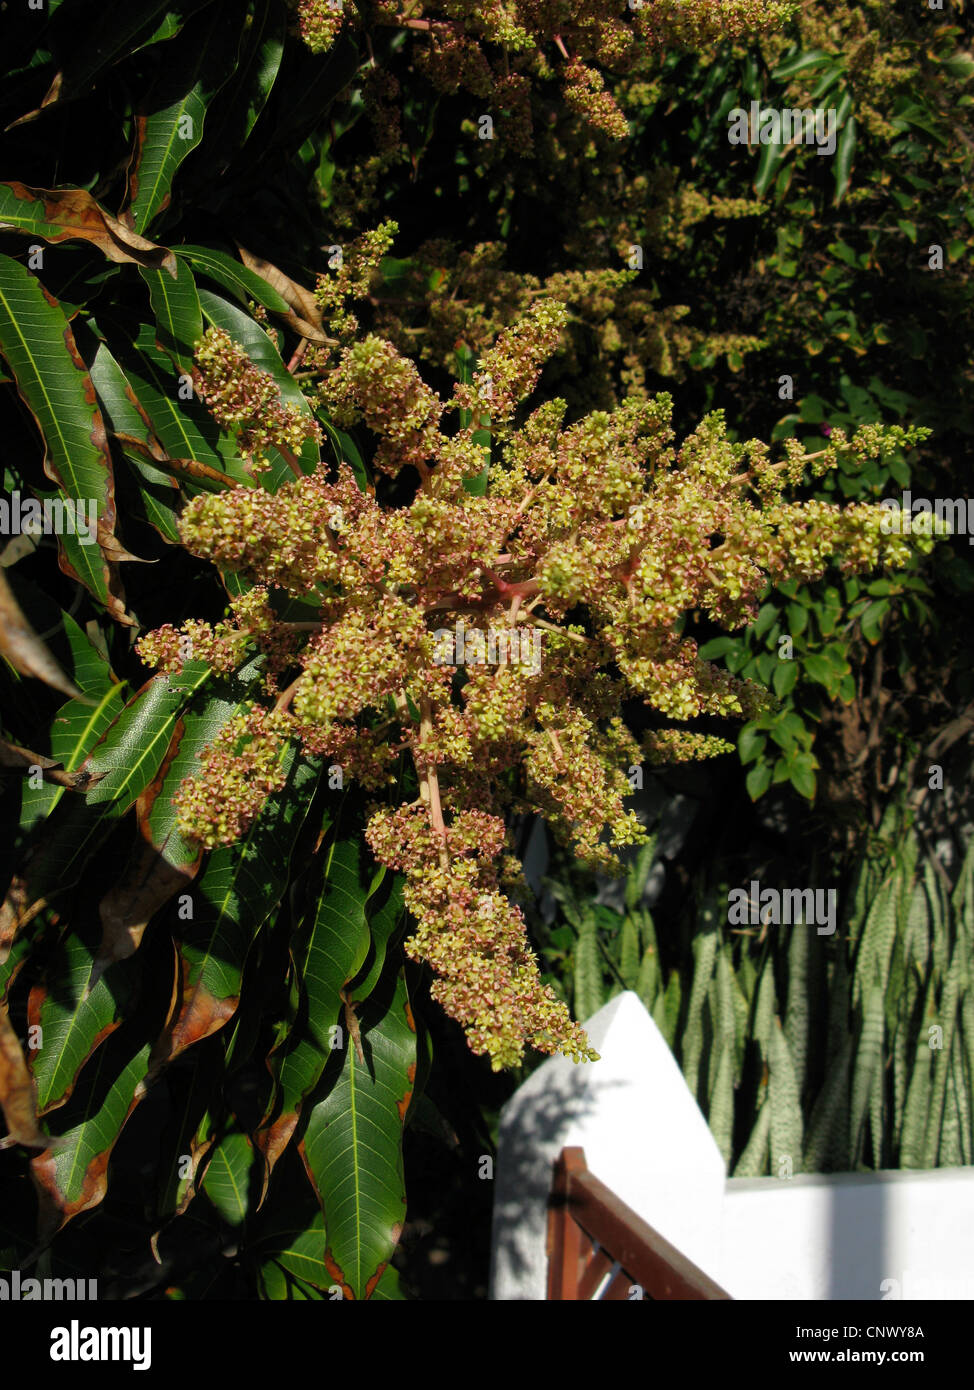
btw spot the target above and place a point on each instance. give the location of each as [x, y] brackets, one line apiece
[598, 1248]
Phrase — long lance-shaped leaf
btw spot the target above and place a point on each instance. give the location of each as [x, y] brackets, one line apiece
[74, 1177]
[917, 1109]
[721, 1113]
[327, 953]
[73, 1022]
[588, 997]
[242, 282]
[178, 419]
[753, 1162]
[75, 730]
[240, 886]
[179, 318]
[119, 31]
[170, 124]
[53, 382]
[783, 1098]
[352, 1145]
[185, 1138]
[705, 945]
[241, 102]
[868, 1060]
[164, 861]
[117, 28]
[827, 1128]
[71, 214]
[953, 990]
[385, 912]
[124, 761]
[124, 414]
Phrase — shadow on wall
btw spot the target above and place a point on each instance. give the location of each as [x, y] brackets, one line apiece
[524, 1177]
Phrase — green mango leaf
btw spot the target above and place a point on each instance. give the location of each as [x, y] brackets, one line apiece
[73, 1023]
[352, 1146]
[159, 494]
[233, 1179]
[239, 887]
[53, 383]
[179, 319]
[238, 106]
[113, 31]
[73, 1177]
[170, 122]
[327, 953]
[242, 282]
[799, 62]
[124, 760]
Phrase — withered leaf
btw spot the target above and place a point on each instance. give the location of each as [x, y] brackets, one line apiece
[71, 214]
[305, 315]
[17, 1098]
[24, 649]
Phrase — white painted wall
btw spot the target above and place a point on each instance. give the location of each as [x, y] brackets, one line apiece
[643, 1136]
[863, 1236]
[808, 1237]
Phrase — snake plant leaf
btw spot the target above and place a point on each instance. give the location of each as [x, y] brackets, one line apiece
[721, 1114]
[753, 1162]
[705, 945]
[867, 1065]
[953, 988]
[784, 1103]
[916, 1113]
[827, 1133]
[588, 996]
[629, 951]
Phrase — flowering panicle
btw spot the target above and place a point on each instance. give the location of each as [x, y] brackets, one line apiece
[247, 401]
[494, 639]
